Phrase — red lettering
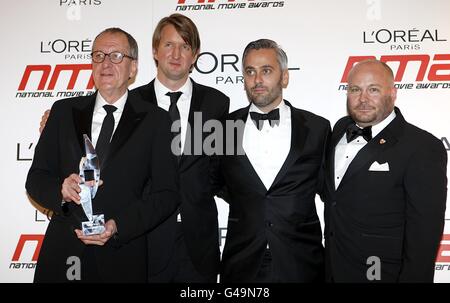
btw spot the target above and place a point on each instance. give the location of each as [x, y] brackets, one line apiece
[440, 258]
[352, 60]
[74, 68]
[22, 240]
[432, 74]
[203, 1]
[403, 60]
[31, 68]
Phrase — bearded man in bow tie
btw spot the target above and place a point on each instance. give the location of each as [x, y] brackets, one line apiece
[386, 187]
[274, 233]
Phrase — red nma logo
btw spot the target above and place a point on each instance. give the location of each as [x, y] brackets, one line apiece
[203, 1]
[443, 255]
[23, 240]
[47, 69]
[433, 71]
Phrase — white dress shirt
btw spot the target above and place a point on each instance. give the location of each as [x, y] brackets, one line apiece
[346, 152]
[267, 149]
[183, 104]
[100, 114]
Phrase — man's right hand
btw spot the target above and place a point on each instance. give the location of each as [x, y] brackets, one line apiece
[44, 120]
[70, 189]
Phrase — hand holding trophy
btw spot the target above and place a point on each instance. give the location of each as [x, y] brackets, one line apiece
[90, 173]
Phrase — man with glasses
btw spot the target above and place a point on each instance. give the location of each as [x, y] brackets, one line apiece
[114, 57]
[139, 173]
[185, 248]
[386, 187]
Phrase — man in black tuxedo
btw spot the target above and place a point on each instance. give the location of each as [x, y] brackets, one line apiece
[271, 178]
[386, 187]
[185, 248]
[139, 173]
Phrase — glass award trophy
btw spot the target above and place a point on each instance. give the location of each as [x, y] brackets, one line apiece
[90, 172]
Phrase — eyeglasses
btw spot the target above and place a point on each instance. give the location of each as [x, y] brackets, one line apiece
[114, 57]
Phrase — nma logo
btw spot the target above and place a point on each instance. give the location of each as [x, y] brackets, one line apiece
[35, 240]
[443, 255]
[203, 1]
[74, 69]
[199, 5]
[46, 89]
[434, 69]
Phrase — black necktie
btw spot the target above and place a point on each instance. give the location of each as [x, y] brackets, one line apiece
[273, 116]
[105, 133]
[173, 110]
[174, 113]
[354, 131]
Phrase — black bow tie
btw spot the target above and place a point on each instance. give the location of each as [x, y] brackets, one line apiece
[354, 131]
[273, 117]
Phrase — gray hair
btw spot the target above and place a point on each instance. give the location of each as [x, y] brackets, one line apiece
[267, 44]
[131, 41]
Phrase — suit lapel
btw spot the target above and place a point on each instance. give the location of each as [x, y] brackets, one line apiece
[82, 118]
[147, 92]
[336, 136]
[128, 122]
[243, 159]
[381, 142]
[195, 106]
[299, 133]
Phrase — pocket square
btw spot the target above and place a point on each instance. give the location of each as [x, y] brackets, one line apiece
[379, 167]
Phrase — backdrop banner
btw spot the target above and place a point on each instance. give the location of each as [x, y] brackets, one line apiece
[46, 57]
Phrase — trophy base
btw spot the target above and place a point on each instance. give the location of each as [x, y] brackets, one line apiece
[94, 227]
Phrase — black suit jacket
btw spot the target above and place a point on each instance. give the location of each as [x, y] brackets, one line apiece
[396, 215]
[284, 215]
[139, 157]
[198, 208]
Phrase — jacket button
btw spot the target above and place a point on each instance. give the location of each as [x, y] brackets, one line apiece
[334, 203]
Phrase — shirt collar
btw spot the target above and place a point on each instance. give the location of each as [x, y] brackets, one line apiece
[282, 106]
[161, 89]
[377, 128]
[120, 103]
